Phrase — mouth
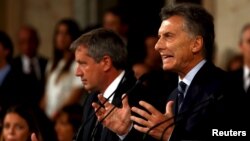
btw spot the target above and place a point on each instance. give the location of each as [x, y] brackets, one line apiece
[84, 81]
[166, 57]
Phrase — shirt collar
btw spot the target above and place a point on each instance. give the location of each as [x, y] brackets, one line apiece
[246, 72]
[113, 86]
[190, 76]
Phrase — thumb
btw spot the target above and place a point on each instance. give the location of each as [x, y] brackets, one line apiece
[33, 137]
[125, 101]
[169, 109]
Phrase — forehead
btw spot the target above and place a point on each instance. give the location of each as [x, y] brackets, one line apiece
[172, 23]
[14, 117]
[81, 48]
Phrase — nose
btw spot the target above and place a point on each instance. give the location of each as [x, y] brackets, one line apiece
[158, 45]
[11, 130]
[78, 71]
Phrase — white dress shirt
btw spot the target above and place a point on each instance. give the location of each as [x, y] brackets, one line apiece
[246, 77]
[191, 74]
[26, 61]
[113, 86]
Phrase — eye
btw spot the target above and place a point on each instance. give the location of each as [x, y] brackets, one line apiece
[19, 127]
[168, 35]
[6, 126]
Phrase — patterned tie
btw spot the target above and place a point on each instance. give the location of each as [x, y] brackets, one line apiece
[181, 90]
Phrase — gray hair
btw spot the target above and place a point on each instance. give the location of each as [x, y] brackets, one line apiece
[101, 42]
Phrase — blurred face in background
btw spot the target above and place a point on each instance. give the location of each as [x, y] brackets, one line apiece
[63, 38]
[245, 46]
[111, 21]
[153, 58]
[64, 129]
[15, 128]
[27, 42]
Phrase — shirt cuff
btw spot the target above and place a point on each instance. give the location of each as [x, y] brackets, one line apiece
[122, 137]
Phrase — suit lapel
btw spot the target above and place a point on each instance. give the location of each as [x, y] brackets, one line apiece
[87, 129]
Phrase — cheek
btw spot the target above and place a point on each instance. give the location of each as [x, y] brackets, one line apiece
[23, 135]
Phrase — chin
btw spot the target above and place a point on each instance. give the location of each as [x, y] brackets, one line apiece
[166, 67]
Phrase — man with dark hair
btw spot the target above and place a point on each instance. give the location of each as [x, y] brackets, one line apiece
[205, 101]
[115, 18]
[242, 75]
[6, 75]
[29, 66]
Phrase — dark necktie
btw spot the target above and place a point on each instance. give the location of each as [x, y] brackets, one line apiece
[181, 90]
[32, 70]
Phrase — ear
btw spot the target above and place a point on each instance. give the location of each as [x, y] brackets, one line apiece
[106, 63]
[198, 44]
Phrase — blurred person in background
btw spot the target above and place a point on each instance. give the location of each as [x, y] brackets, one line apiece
[18, 124]
[115, 19]
[6, 75]
[62, 86]
[29, 66]
[235, 63]
[152, 59]
[242, 75]
[68, 121]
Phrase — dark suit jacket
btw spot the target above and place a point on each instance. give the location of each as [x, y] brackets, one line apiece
[238, 79]
[212, 101]
[139, 93]
[31, 89]
[6, 90]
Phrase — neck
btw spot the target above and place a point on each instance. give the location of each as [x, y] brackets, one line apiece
[189, 67]
[110, 77]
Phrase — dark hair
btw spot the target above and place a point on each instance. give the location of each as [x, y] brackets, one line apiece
[119, 12]
[74, 32]
[74, 113]
[197, 22]
[7, 44]
[245, 27]
[28, 115]
[101, 42]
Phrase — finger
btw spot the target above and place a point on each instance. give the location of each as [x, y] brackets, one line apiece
[98, 109]
[103, 100]
[140, 121]
[169, 109]
[141, 129]
[150, 108]
[33, 137]
[141, 113]
[125, 101]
